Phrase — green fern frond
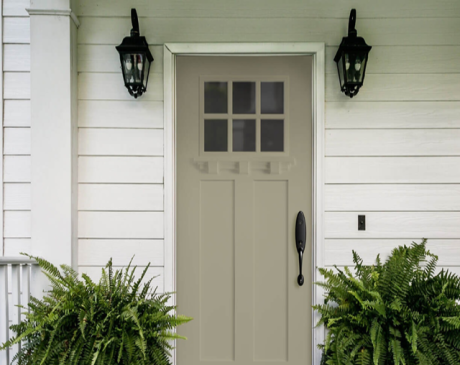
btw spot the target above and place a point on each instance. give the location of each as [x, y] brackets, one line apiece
[112, 322]
[394, 312]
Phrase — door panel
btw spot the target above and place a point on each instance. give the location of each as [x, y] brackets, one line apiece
[244, 162]
[270, 285]
[217, 271]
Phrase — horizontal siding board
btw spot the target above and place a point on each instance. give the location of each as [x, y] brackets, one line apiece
[394, 31]
[120, 225]
[410, 197]
[393, 225]
[15, 7]
[271, 8]
[120, 142]
[102, 58]
[451, 269]
[405, 60]
[14, 246]
[16, 113]
[120, 114]
[16, 196]
[389, 170]
[16, 57]
[394, 87]
[16, 141]
[120, 169]
[412, 142]
[95, 273]
[16, 85]
[120, 197]
[110, 86]
[16, 30]
[339, 252]
[16, 169]
[142, 252]
[392, 115]
[16, 224]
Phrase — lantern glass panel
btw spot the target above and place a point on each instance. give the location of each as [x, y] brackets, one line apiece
[128, 68]
[360, 66]
[138, 67]
[341, 66]
[355, 64]
[146, 71]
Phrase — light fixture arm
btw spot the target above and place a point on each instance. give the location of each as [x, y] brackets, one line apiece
[351, 24]
[135, 22]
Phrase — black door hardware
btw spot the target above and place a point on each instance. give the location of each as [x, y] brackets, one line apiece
[300, 239]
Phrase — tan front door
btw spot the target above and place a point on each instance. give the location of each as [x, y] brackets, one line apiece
[244, 165]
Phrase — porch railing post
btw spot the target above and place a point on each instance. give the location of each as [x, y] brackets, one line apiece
[4, 317]
[15, 292]
[16, 301]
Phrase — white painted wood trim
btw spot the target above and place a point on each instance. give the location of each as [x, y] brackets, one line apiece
[169, 273]
[319, 95]
[53, 173]
[55, 12]
[245, 48]
[171, 50]
[169, 171]
[1, 129]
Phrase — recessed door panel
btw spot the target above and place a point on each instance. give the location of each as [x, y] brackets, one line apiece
[217, 271]
[270, 285]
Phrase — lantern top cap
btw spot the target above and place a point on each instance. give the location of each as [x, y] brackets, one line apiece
[352, 42]
[135, 43]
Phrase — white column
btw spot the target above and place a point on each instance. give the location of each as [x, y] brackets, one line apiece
[54, 131]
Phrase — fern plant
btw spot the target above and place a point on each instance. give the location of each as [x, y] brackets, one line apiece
[391, 313]
[80, 322]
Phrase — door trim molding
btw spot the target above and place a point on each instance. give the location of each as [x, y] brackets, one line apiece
[317, 50]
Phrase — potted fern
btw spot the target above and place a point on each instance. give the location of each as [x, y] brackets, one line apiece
[79, 322]
[397, 312]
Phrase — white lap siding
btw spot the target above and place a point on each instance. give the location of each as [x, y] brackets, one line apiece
[120, 148]
[16, 127]
[391, 153]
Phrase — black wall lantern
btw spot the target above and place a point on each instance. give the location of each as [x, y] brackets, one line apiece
[351, 59]
[135, 58]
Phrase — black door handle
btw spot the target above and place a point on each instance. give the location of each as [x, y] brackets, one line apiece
[300, 239]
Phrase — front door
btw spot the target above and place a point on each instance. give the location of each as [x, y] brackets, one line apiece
[244, 171]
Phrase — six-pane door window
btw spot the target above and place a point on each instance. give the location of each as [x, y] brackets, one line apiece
[244, 116]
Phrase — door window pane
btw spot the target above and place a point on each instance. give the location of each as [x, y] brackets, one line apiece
[272, 135]
[244, 97]
[215, 97]
[272, 97]
[244, 135]
[215, 135]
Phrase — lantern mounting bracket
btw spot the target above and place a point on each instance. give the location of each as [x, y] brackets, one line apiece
[135, 22]
[352, 32]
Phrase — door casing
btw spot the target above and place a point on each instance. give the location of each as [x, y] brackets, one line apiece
[317, 50]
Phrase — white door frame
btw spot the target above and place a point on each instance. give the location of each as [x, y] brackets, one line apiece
[317, 50]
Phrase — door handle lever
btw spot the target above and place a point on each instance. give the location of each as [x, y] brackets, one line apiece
[300, 240]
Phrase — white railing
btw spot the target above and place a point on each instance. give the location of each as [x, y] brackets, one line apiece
[15, 278]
